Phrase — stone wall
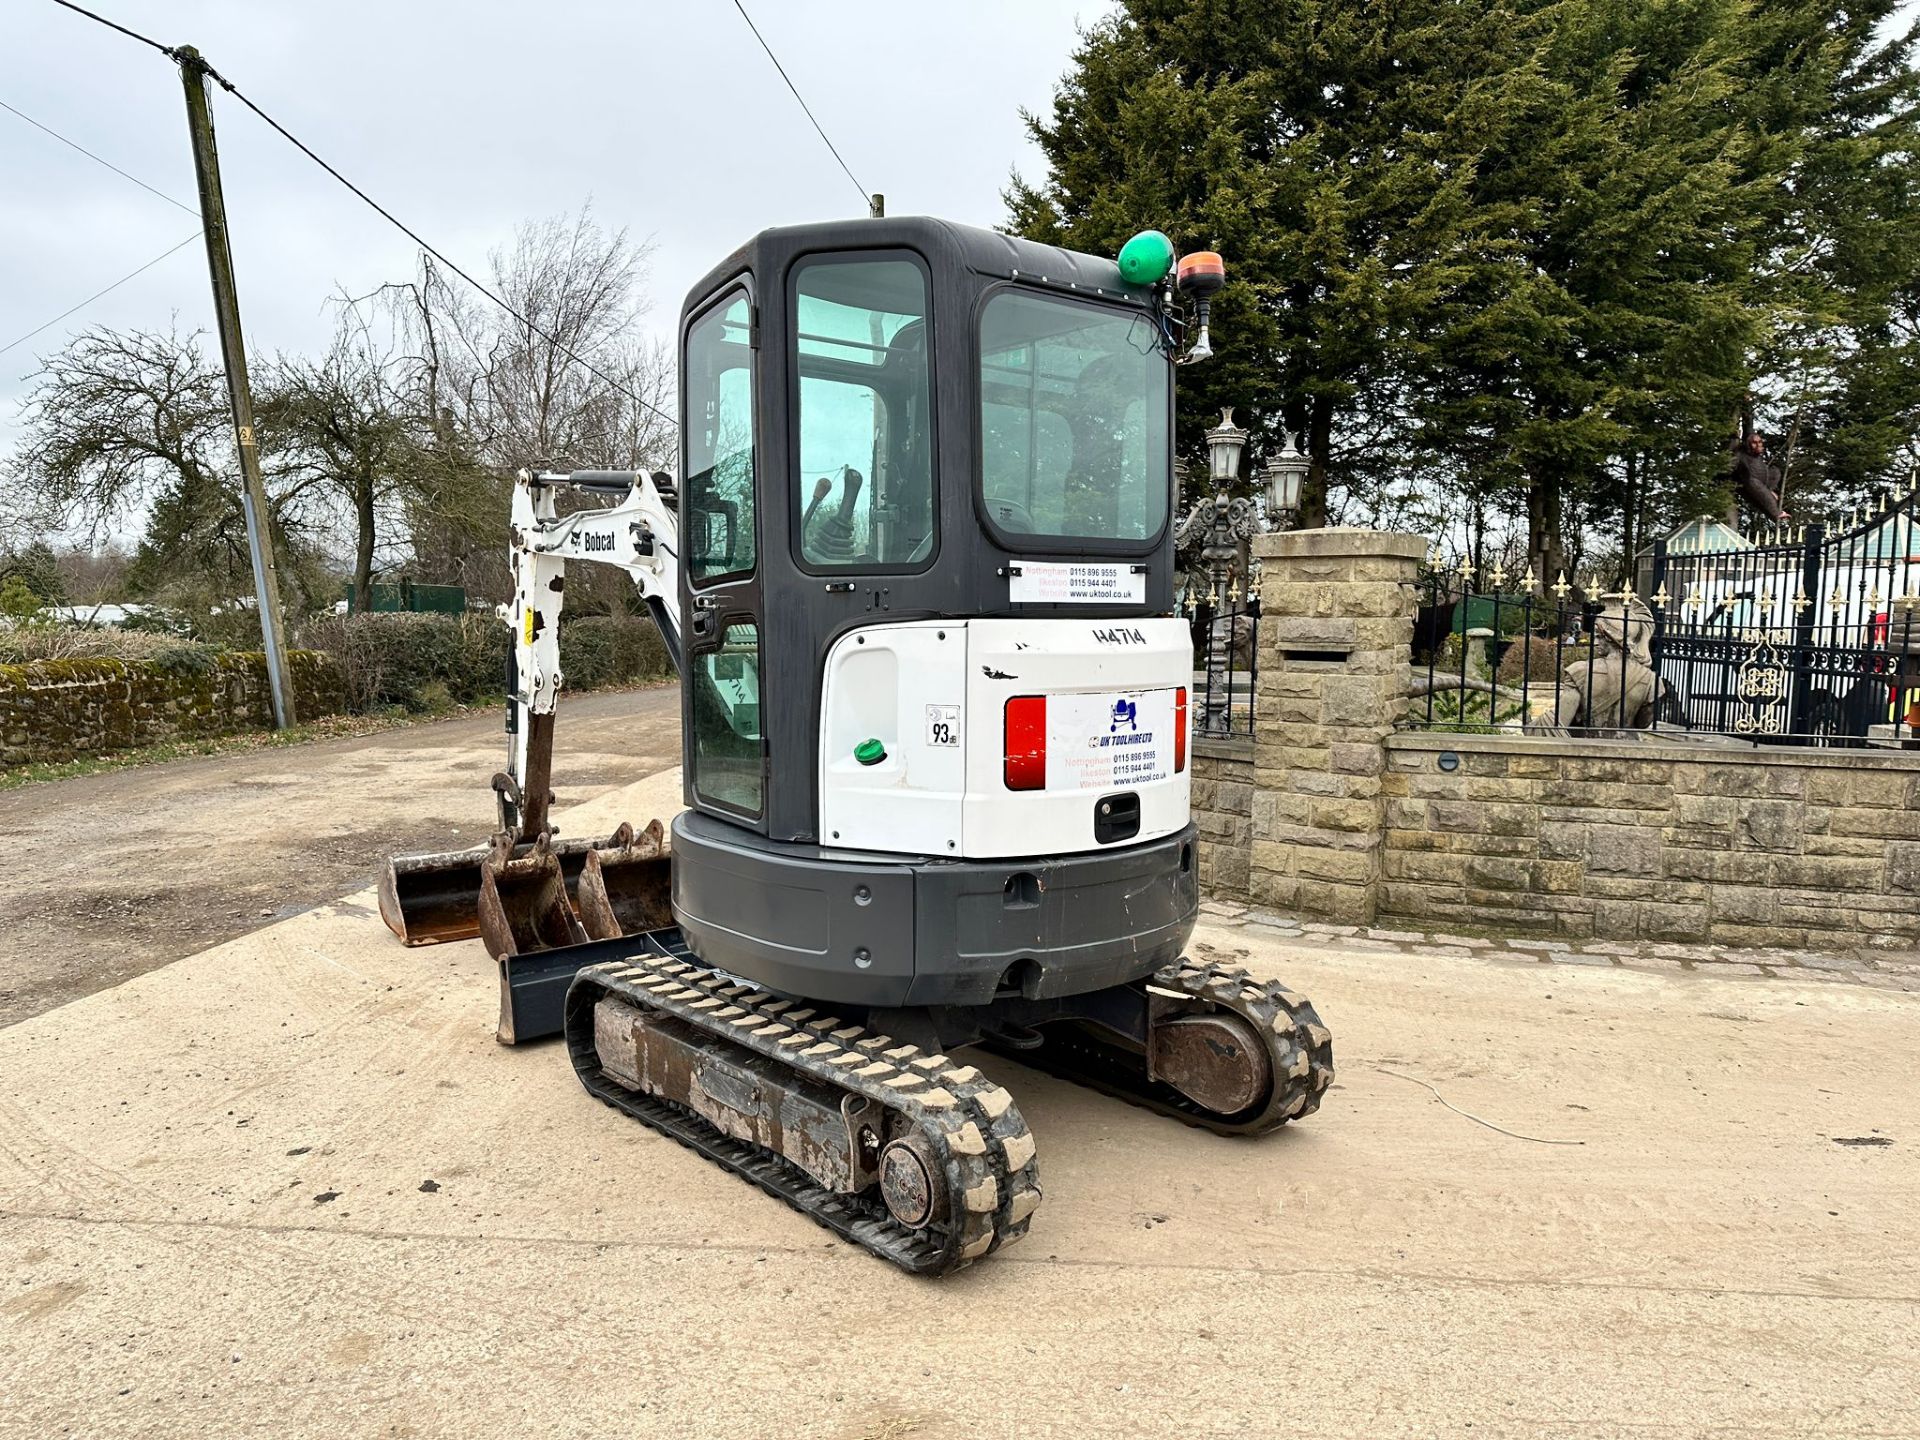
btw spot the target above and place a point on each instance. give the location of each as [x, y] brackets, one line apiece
[1223, 814]
[1596, 840]
[1355, 818]
[61, 709]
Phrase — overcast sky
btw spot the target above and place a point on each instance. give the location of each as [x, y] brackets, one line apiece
[466, 118]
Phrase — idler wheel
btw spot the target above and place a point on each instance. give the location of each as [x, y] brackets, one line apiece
[1214, 1060]
[912, 1181]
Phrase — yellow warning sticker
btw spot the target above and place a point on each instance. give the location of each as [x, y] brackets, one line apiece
[527, 628]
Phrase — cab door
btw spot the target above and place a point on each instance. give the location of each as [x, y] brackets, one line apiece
[723, 697]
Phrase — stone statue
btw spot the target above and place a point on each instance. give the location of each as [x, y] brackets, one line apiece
[1617, 688]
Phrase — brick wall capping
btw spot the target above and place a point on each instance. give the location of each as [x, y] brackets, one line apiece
[1805, 757]
[1340, 542]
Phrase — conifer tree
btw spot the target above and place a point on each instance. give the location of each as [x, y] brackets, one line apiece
[1328, 149]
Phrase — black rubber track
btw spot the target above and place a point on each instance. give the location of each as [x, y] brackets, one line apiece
[1299, 1049]
[992, 1177]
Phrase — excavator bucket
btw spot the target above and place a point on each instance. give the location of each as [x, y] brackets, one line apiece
[426, 899]
[626, 887]
[524, 905]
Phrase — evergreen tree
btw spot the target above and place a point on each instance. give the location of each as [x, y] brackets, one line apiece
[37, 569]
[1328, 148]
[1839, 379]
[1619, 325]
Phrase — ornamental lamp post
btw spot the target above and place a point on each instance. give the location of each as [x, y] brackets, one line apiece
[1225, 444]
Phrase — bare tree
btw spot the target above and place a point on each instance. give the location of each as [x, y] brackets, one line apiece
[93, 575]
[124, 427]
[132, 430]
[567, 382]
[113, 422]
[398, 443]
[337, 426]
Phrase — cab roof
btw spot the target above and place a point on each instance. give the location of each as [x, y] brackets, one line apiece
[943, 243]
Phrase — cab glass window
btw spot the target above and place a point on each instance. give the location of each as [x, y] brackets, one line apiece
[718, 376]
[1073, 421]
[728, 767]
[863, 477]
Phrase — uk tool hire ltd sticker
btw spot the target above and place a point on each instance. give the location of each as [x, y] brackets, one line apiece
[1110, 741]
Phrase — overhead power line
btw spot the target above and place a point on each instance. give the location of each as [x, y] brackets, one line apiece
[76, 145]
[98, 293]
[865, 197]
[166, 50]
[419, 240]
[384, 214]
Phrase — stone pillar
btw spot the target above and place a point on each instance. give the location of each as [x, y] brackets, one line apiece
[1336, 639]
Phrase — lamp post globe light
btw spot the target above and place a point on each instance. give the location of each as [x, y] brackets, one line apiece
[1285, 473]
[1225, 442]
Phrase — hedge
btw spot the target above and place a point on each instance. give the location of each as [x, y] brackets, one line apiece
[56, 709]
[426, 662]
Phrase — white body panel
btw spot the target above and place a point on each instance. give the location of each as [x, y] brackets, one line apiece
[934, 693]
[880, 682]
[1142, 661]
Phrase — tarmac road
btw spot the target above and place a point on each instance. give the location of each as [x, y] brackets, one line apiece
[113, 874]
[293, 1186]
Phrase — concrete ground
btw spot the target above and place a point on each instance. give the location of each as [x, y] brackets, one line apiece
[292, 1185]
[113, 874]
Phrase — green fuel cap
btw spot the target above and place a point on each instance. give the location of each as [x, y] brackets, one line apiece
[869, 752]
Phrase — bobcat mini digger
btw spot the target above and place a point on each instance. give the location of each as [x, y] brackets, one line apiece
[917, 577]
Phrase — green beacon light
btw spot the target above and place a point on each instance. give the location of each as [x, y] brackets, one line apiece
[869, 752]
[1146, 258]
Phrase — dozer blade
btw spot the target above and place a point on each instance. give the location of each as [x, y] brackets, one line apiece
[426, 899]
[626, 887]
[524, 905]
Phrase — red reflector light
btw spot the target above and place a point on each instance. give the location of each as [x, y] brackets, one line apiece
[1026, 746]
[1179, 729]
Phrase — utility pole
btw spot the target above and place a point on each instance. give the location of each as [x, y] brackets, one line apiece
[226, 309]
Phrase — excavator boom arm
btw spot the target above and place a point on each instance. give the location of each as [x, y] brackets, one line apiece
[640, 535]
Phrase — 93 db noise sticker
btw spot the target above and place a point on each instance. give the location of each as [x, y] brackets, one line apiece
[943, 724]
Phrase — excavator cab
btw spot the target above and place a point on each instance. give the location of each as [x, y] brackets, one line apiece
[927, 485]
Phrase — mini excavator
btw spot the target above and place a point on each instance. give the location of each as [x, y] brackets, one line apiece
[917, 579]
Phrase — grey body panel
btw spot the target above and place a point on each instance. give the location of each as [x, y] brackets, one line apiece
[936, 932]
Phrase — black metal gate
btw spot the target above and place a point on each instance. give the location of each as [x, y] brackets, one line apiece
[1810, 636]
